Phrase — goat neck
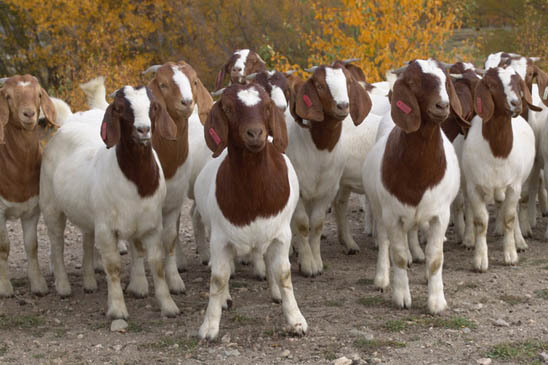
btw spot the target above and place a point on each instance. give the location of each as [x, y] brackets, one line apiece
[20, 159]
[413, 162]
[251, 185]
[326, 134]
[137, 163]
[498, 132]
[172, 154]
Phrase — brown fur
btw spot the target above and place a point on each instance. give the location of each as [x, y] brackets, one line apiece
[253, 64]
[250, 183]
[20, 151]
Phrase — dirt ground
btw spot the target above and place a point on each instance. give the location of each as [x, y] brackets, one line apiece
[502, 314]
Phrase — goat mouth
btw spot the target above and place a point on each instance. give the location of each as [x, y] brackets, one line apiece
[255, 147]
[438, 117]
[28, 125]
[340, 116]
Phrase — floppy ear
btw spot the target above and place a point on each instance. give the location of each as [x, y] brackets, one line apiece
[405, 109]
[223, 72]
[456, 105]
[360, 102]
[483, 102]
[4, 115]
[216, 129]
[527, 97]
[278, 128]
[542, 81]
[48, 108]
[307, 104]
[355, 71]
[110, 128]
[165, 125]
[204, 101]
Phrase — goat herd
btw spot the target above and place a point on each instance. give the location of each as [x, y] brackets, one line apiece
[434, 143]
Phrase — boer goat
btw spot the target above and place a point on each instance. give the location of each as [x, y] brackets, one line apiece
[241, 63]
[110, 193]
[412, 175]
[21, 99]
[247, 196]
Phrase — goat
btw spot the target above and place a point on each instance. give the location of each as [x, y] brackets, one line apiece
[319, 107]
[411, 176]
[21, 99]
[111, 194]
[95, 93]
[247, 196]
[241, 63]
[498, 153]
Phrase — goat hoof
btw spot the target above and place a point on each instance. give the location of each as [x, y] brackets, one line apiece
[352, 251]
[277, 300]
[228, 304]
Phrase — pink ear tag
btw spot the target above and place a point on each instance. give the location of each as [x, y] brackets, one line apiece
[104, 131]
[479, 105]
[215, 136]
[307, 101]
[403, 107]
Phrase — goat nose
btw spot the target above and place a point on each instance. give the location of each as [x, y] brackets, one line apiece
[443, 105]
[254, 133]
[342, 106]
[29, 113]
[143, 130]
[515, 103]
[186, 102]
[236, 69]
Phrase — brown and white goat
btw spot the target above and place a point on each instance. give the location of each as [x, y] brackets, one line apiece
[412, 175]
[21, 99]
[247, 196]
[241, 63]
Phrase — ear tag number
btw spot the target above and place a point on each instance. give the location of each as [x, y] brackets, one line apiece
[403, 107]
[545, 97]
[215, 136]
[307, 101]
[479, 105]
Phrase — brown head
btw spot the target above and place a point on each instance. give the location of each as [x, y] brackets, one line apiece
[275, 84]
[241, 63]
[242, 119]
[133, 116]
[534, 72]
[21, 98]
[500, 92]
[177, 87]
[423, 93]
[330, 93]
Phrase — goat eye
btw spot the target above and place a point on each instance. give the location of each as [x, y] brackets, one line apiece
[163, 86]
[195, 82]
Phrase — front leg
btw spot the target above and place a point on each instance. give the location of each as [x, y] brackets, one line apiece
[138, 283]
[108, 248]
[345, 236]
[169, 239]
[301, 230]
[280, 282]
[221, 257]
[382, 274]
[90, 284]
[510, 213]
[6, 289]
[398, 254]
[317, 218]
[480, 219]
[29, 223]
[202, 246]
[434, 263]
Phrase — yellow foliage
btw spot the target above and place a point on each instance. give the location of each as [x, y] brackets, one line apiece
[384, 34]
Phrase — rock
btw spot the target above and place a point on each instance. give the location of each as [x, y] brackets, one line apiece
[376, 360]
[80, 336]
[342, 361]
[484, 361]
[98, 346]
[117, 348]
[501, 323]
[118, 325]
[368, 336]
[466, 330]
[225, 338]
[232, 352]
[543, 356]
[198, 280]
[285, 353]
[148, 306]
[169, 333]
[56, 321]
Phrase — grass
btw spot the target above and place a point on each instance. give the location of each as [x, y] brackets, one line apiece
[238, 284]
[452, 323]
[471, 285]
[134, 327]
[374, 345]
[525, 352]
[330, 353]
[542, 294]
[242, 319]
[185, 344]
[334, 303]
[455, 323]
[3, 349]
[20, 322]
[365, 282]
[396, 325]
[371, 301]
[513, 299]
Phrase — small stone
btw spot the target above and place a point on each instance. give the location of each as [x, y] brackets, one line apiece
[198, 280]
[543, 356]
[501, 323]
[117, 348]
[169, 333]
[376, 360]
[204, 295]
[484, 361]
[98, 346]
[118, 325]
[148, 306]
[528, 296]
[466, 330]
[225, 338]
[56, 321]
[352, 288]
[342, 361]
[285, 353]
[368, 336]
[176, 346]
[80, 336]
[232, 352]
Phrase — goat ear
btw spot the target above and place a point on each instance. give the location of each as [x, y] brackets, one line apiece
[278, 128]
[223, 72]
[216, 129]
[48, 108]
[110, 128]
[542, 81]
[307, 104]
[360, 102]
[456, 105]
[4, 115]
[405, 109]
[526, 96]
[204, 101]
[355, 71]
[483, 102]
[165, 124]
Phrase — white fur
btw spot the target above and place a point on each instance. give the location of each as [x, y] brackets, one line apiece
[336, 82]
[181, 80]
[266, 236]
[505, 75]
[240, 62]
[249, 97]
[62, 109]
[81, 180]
[140, 104]
[23, 83]
[95, 93]
[431, 67]
[278, 97]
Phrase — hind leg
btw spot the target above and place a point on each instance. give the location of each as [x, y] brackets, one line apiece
[56, 221]
[343, 229]
[90, 284]
[29, 223]
[6, 289]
